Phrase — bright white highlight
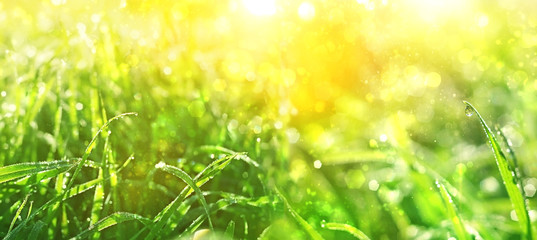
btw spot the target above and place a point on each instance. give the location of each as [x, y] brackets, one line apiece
[260, 7]
[306, 11]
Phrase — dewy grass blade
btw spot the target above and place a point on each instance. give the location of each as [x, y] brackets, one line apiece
[301, 222]
[113, 219]
[98, 196]
[514, 160]
[452, 212]
[347, 228]
[195, 223]
[204, 176]
[509, 178]
[20, 170]
[188, 180]
[241, 156]
[90, 146]
[68, 194]
[17, 214]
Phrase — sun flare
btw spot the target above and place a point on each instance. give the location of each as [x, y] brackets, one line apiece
[260, 7]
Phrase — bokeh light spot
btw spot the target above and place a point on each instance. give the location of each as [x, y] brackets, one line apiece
[433, 79]
[373, 185]
[317, 164]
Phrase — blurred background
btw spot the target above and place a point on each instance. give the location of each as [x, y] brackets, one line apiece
[352, 108]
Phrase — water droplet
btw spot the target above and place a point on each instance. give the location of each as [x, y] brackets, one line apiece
[323, 223]
[468, 111]
[317, 164]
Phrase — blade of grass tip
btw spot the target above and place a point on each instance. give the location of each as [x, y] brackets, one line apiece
[111, 220]
[204, 176]
[347, 228]
[509, 177]
[126, 163]
[241, 156]
[213, 168]
[17, 214]
[301, 222]
[452, 212]
[188, 180]
[264, 234]
[30, 209]
[90, 146]
[230, 229]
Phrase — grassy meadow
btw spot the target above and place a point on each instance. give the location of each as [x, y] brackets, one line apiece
[268, 119]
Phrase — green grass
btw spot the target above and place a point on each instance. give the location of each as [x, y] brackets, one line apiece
[175, 119]
[509, 176]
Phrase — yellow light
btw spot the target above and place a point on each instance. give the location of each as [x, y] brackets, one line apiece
[306, 11]
[434, 11]
[482, 21]
[260, 7]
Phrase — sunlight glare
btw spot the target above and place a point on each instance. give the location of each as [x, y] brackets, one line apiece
[306, 11]
[433, 11]
[260, 7]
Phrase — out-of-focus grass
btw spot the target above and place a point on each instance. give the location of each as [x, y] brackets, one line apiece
[290, 116]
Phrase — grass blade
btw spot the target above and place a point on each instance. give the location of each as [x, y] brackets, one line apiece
[241, 156]
[17, 214]
[204, 176]
[92, 143]
[19, 170]
[111, 220]
[301, 222]
[347, 228]
[230, 229]
[188, 180]
[509, 177]
[452, 212]
[36, 229]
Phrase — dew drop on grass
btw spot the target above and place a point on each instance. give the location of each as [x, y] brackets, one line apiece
[323, 223]
[317, 164]
[468, 111]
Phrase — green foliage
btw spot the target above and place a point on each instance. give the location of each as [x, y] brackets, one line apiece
[510, 178]
[347, 228]
[452, 212]
[303, 120]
